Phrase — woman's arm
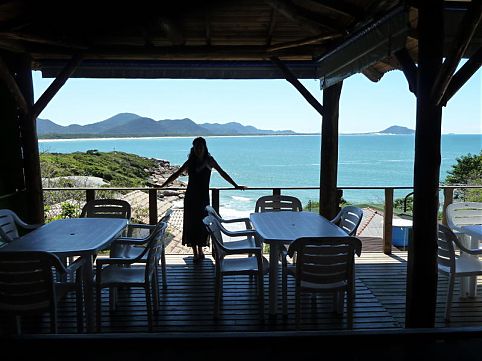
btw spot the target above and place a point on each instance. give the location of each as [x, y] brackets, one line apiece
[223, 174]
[174, 175]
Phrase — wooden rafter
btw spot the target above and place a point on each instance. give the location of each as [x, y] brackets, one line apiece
[13, 87]
[289, 76]
[41, 40]
[272, 24]
[409, 68]
[55, 86]
[332, 6]
[302, 42]
[292, 13]
[462, 76]
[466, 31]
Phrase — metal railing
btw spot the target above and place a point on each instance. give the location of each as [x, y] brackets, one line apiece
[388, 203]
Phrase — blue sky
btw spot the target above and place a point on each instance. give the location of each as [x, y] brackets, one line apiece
[266, 104]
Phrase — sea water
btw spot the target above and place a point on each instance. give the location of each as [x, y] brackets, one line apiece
[291, 161]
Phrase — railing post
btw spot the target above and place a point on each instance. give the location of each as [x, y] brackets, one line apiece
[89, 195]
[153, 216]
[387, 221]
[215, 199]
[276, 191]
[448, 199]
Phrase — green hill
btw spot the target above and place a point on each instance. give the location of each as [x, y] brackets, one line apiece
[118, 168]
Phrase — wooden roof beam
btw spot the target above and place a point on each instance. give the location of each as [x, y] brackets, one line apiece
[290, 77]
[462, 75]
[55, 86]
[41, 40]
[466, 31]
[409, 68]
[13, 87]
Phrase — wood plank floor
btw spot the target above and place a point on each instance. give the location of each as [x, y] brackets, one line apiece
[187, 304]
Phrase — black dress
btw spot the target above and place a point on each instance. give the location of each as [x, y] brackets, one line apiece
[196, 199]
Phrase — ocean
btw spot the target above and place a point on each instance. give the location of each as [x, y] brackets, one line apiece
[290, 161]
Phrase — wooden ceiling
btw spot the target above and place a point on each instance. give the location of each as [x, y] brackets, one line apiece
[117, 39]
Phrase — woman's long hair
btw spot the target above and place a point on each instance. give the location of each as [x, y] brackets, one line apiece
[194, 162]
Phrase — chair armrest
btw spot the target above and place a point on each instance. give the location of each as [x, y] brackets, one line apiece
[240, 233]
[106, 261]
[473, 251]
[131, 240]
[246, 221]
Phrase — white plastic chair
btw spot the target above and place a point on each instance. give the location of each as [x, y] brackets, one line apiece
[278, 203]
[462, 214]
[136, 245]
[256, 265]
[453, 265]
[348, 219]
[30, 283]
[121, 272]
[10, 224]
[323, 265]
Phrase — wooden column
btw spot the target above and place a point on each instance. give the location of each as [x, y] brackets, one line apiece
[329, 202]
[422, 255]
[22, 72]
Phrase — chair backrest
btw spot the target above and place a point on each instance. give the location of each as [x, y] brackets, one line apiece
[463, 213]
[214, 229]
[8, 227]
[348, 219]
[326, 261]
[212, 212]
[27, 281]
[278, 203]
[446, 250]
[167, 216]
[106, 208]
[154, 248]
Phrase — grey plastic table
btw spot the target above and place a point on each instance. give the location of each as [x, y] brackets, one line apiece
[283, 227]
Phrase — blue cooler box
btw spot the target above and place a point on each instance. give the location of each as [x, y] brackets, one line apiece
[401, 232]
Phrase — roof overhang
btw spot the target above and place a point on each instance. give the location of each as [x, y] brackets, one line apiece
[374, 42]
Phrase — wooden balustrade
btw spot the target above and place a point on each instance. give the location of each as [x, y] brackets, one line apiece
[90, 193]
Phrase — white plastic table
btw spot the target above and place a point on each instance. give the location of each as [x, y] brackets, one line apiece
[283, 227]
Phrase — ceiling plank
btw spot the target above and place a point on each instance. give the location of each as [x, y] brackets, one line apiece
[292, 13]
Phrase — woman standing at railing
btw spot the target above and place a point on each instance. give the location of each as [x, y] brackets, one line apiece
[198, 165]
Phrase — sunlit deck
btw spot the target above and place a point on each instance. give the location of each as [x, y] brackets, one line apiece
[187, 304]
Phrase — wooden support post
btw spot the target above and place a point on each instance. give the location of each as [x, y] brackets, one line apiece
[22, 71]
[153, 215]
[276, 191]
[422, 270]
[89, 195]
[448, 199]
[215, 199]
[329, 202]
[387, 221]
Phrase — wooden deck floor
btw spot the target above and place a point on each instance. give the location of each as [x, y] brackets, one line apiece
[187, 304]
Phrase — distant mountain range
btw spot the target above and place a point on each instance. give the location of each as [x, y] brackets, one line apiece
[133, 125]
